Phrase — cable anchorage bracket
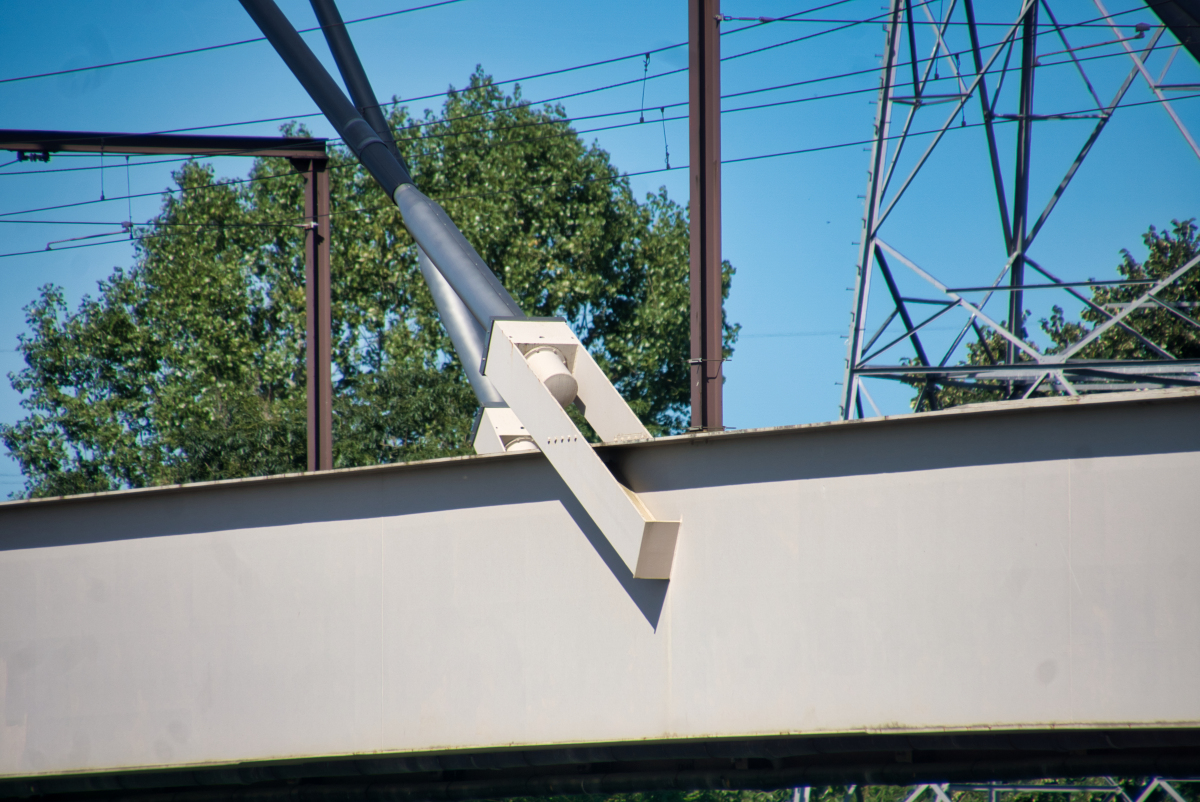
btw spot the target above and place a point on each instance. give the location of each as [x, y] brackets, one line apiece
[538, 366]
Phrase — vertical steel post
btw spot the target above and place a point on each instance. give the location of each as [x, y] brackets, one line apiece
[1020, 216]
[704, 121]
[316, 289]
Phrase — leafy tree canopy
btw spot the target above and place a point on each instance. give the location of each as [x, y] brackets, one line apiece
[189, 365]
[1168, 250]
[1131, 786]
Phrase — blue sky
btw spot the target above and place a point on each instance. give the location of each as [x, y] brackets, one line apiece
[790, 222]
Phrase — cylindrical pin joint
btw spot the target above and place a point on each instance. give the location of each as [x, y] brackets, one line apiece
[550, 366]
[521, 443]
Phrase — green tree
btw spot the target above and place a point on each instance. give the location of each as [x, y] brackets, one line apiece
[1167, 251]
[189, 365]
[894, 793]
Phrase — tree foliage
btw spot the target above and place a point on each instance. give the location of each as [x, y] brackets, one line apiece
[1167, 251]
[189, 365]
[1132, 786]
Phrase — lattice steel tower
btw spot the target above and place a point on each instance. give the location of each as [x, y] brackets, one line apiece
[940, 62]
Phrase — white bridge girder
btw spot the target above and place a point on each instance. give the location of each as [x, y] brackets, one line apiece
[1022, 567]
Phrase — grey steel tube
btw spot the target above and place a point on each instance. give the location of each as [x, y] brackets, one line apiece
[428, 223]
[341, 113]
[453, 253]
[353, 74]
[447, 248]
[468, 336]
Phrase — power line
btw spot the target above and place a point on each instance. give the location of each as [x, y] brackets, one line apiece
[225, 45]
[160, 193]
[572, 132]
[349, 165]
[564, 120]
[619, 84]
[510, 143]
[174, 160]
[86, 245]
[213, 47]
[635, 80]
[558, 71]
[557, 121]
[621, 176]
[853, 23]
[609, 61]
[420, 97]
[418, 124]
[929, 132]
[570, 120]
[736, 160]
[845, 93]
[156, 224]
[785, 18]
[939, 23]
[585, 66]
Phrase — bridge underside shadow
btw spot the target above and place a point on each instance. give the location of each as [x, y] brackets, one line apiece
[760, 764]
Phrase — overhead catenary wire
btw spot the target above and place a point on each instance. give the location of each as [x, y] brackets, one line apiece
[208, 48]
[870, 89]
[129, 195]
[568, 120]
[543, 74]
[159, 193]
[611, 60]
[565, 120]
[846, 24]
[813, 149]
[936, 22]
[558, 71]
[158, 223]
[255, 39]
[625, 175]
[570, 132]
[420, 123]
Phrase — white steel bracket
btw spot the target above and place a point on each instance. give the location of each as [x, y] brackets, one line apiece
[645, 543]
[498, 430]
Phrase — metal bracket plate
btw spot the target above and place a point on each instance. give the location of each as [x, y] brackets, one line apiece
[645, 543]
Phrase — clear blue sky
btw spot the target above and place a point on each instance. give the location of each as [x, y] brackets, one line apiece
[789, 222]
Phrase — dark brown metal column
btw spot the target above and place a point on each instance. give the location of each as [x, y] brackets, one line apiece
[316, 289]
[704, 120]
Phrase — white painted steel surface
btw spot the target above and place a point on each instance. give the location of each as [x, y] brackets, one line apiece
[645, 542]
[1029, 568]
